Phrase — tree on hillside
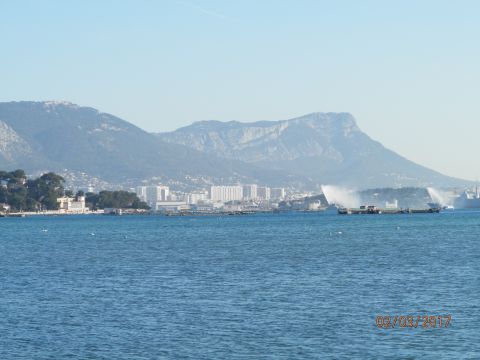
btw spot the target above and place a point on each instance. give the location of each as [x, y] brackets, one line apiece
[17, 198]
[46, 189]
[115, 199]
[3, 195]
[42, 193]
[19, 175]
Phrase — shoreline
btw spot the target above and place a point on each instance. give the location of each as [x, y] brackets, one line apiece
[55, 213]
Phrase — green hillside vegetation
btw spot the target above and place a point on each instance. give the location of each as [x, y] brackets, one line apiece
[23, 194]
[114, 199]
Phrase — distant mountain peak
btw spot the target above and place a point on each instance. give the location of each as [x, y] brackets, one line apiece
[57, 135]
[312, 149]
[54, 103]
[314, 117]
[328, 147]
[49, 105]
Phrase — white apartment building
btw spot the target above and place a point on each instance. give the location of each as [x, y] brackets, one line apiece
[72, 205]
[277, 193]
[195, 197]
[250, 192]
[141, 192]
[226, 193]
[263, 193]
[153, 194]
[171, 206]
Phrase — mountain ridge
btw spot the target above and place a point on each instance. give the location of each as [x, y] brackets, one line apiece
[303, 152]
[63, 135]
[327, 147]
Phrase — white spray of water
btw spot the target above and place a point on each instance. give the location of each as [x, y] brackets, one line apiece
[439, 197]
[341, 196]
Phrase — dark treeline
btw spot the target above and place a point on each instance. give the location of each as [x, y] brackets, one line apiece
[30, 195]
[114, 199]
[23, 194]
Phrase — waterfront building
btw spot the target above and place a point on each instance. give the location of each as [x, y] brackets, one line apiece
[250, 192]
[226, 193]
[141, 192]
[277, 193]
[72, 205]
[153, 194]
[178, 196]
[232, 207]
[171, 206]
[196, 197]
[263, 193]
[203, 206]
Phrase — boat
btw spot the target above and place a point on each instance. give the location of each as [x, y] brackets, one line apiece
[467, 200]
[371, 209]
[423, 211]
[442, 207]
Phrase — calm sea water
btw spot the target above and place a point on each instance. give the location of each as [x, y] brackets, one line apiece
[277, 286]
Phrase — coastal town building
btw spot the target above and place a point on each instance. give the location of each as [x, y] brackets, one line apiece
[141, 192]
[226, 193]
[72, 205]
[177, 196]
[196, 197]
[233, 207]
[277, 193]
[263, 193]
[250, 192]
[153, 194]
[204, 206]
[171, 206]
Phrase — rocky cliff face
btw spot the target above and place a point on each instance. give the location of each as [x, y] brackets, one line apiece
[326, 147]
[11, 144]
[310, 135]
[56, 136]
[319, 148]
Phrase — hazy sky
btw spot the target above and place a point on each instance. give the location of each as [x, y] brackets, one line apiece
[409, 71]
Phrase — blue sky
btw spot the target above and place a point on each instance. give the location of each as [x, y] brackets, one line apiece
[409, 71]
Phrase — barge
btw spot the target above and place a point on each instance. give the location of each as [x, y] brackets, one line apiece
[373, 210]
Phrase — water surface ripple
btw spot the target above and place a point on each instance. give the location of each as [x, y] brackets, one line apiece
[275, 286]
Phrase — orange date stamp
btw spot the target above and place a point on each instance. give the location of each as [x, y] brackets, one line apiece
[410, 321]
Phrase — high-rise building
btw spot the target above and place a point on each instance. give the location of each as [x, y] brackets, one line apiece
[195, 197]
[141, 192]
[263, 193]
[250, 192]
[226, 193]
[152, 194]
[277, 193]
